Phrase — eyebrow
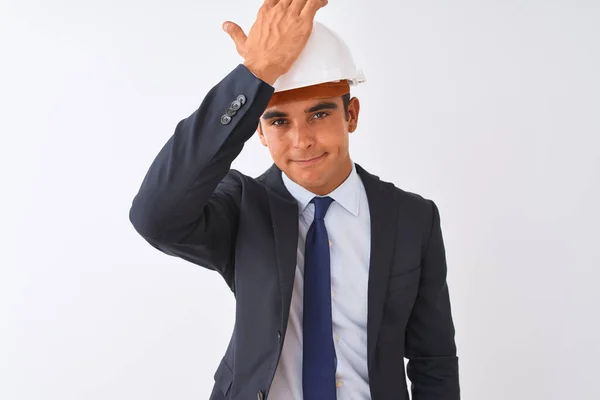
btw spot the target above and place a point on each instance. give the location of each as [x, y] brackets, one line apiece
[325, 105]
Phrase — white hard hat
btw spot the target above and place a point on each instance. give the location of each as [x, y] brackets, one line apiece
[326, 58]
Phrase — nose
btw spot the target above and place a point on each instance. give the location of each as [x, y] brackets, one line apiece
[302, 137]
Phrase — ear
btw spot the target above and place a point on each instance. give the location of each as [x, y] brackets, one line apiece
[261, 135]
[353, 111]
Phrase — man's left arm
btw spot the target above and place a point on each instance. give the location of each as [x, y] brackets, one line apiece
[430, 347]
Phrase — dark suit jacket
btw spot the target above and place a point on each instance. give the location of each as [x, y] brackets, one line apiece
[192, 205]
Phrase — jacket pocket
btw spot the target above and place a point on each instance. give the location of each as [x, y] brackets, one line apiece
[404, 280]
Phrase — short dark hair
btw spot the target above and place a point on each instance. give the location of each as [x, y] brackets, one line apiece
[346, 101]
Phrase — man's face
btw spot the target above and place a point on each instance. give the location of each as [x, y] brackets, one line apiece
[308, 141]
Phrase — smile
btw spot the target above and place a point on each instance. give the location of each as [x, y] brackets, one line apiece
[310, 161]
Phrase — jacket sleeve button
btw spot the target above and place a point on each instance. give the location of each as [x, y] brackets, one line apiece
[225, 119]
[236, 105]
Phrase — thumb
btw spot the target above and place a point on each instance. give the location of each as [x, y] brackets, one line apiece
[236, 33]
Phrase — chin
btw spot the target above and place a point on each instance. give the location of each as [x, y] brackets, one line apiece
[314, 175]
[308, 179]
[306, 176]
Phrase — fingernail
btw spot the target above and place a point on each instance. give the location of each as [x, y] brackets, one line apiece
[225, 26]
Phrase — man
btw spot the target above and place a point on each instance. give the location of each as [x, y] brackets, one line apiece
[338, 276]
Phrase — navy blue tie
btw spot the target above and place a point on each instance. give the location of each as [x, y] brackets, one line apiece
[318, 362]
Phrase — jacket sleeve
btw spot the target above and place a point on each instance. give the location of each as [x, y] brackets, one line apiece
[189, 201]
[430, 346]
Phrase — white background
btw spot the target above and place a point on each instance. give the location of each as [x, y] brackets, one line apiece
[490, 108]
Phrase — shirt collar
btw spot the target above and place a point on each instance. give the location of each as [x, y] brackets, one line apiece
[347, 194]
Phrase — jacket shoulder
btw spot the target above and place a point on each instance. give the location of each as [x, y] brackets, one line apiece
[414, 209]
[412, 200]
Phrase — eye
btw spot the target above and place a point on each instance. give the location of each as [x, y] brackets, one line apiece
[278, 122]
[321, 115]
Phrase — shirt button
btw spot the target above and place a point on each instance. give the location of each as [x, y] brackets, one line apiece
[260, 395]
[332, 294]
[330, 243]
[339, 384]
[337, 338]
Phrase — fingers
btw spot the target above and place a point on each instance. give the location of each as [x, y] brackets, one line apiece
[237, 34]
[311, 8]
[284, 3]
[297, 6]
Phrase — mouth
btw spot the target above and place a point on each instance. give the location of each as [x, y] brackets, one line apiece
[310, 161]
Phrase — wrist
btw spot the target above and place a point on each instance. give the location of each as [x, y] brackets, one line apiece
[266, 73]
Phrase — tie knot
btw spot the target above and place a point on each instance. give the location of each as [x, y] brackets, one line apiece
[321, 206]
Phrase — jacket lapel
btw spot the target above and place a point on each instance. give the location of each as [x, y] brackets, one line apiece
[384, 220]
[284, 212]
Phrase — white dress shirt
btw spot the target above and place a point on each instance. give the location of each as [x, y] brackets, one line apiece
[349, 230]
